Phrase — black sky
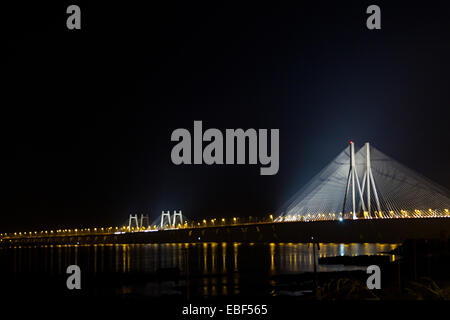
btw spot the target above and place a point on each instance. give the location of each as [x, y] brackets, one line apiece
[87, 115]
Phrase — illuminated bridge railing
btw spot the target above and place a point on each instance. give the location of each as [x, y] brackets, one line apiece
[99, 231]
[223, 222]
[430, 213]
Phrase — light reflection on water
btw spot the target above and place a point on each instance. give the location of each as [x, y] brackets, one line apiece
[192, 258]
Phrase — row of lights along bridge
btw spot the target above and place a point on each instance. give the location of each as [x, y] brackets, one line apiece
[170, 224]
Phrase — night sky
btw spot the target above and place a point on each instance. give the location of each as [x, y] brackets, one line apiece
[87, 114]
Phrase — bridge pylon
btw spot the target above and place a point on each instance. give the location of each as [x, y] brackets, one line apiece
[144, 217]
[174, 218]
[352, 177]
[131, 219]
[369, 181]
[166, 215]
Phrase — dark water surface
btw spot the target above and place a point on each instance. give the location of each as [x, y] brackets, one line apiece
[191, 269]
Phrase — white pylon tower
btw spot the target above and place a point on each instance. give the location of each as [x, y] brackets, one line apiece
[175, 215]
[144, 217]
[352, 177]
[369, 180]
[165, 214]
[133, 218]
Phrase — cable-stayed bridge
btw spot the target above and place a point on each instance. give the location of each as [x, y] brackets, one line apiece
[377, 197]
[366, 184]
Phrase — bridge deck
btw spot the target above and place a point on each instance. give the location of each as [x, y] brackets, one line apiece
[363, 230]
